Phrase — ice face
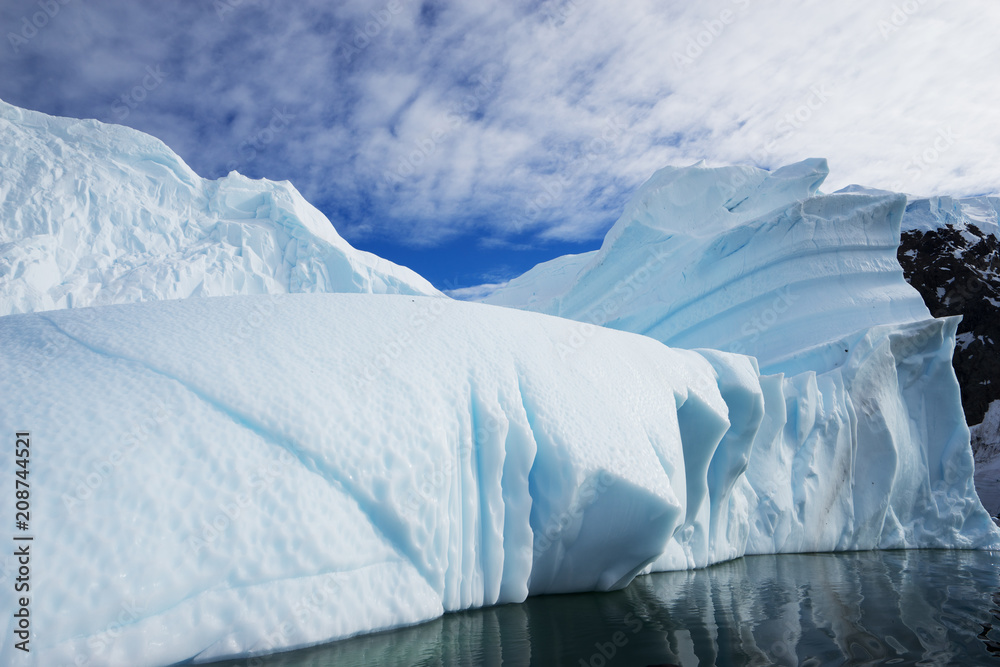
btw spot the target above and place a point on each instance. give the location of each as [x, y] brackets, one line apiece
[737, 259]
[862, 443]
[213, 462]
[98, 214]
[241, 475]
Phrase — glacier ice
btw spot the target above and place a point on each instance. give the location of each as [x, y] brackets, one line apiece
[264, 470]
[987, 458]
[405, 455]
[930, 213]
[737, 259]
[863, 443]
[98, 214]
[358, 462]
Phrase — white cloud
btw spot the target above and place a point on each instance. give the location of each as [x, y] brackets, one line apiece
[517, 121]
[475, 293]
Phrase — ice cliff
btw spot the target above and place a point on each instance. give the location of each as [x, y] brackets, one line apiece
[737, 259]
[357, 462]
[241, 475]
[863, 437]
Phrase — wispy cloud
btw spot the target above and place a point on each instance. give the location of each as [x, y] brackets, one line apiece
[525, 122]
[474, 293]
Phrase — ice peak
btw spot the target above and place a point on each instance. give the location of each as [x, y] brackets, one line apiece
[95, 214]
[702, 201]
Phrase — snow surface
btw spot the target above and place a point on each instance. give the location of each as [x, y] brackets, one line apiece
[245, 474]
[930, 213]
[262, 471]
[98, 214]
[989, 432]
[988, 485]
[926, 214]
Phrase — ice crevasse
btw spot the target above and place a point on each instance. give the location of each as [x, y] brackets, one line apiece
[243, 474]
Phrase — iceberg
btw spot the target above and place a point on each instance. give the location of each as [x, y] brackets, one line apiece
[360, 462]
[97, 214]
[863, 440]
[737, 259]
[928, 214]
[401, 456]
[740, 369]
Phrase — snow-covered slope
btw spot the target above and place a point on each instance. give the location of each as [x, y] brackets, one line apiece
[927, 214]
[986, 449]
[96, 214]
[365, 461]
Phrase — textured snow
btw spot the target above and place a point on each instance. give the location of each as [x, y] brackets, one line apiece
[261, 471]
[407, 456]
[99, 214]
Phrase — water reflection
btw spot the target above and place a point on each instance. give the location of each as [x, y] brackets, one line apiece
[868, 608]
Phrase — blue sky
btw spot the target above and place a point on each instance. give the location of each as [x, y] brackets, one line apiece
[471, 140]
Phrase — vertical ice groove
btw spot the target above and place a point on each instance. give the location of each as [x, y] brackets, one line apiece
[488, 428]
[518, 541]
[739, 386]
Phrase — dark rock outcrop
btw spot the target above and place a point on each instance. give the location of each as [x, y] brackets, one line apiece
[956, 269]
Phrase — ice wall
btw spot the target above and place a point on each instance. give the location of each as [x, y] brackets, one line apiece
[240, 475]
[863, 443]
[931, 213]
[98, 214]
[737, 259]
[206, 465]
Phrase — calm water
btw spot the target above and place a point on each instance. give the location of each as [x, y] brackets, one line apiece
[878, 608]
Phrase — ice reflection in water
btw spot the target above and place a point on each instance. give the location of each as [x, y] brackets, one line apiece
[890, 607]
